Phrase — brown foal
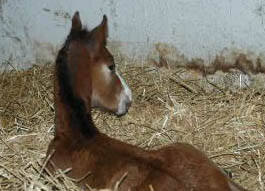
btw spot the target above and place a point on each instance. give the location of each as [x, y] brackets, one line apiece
[86, 77]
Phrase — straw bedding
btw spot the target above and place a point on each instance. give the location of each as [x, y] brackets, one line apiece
[229, 126]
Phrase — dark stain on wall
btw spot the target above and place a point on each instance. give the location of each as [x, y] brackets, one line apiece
[58, 13]
[242, 63]
[227, 61]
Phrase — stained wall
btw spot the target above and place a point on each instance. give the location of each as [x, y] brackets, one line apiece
[180, 30]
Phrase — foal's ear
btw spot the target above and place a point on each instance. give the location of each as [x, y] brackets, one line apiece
[76, 22]
[100, 33]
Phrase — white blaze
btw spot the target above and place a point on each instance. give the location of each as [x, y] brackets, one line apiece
[125, 96]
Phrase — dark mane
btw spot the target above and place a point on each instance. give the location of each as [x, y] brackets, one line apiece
[80, 119]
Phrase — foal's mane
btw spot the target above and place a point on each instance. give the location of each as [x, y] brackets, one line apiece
[80, 118]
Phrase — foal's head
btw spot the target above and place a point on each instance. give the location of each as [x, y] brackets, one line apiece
[94, 75]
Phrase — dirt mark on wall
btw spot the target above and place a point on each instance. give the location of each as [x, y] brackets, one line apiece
[231, 69]
[228, 60]
[241, 62]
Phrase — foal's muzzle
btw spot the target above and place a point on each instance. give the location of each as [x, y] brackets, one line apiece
[124, 106]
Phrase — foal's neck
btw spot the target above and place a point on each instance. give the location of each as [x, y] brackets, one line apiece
[72, 116]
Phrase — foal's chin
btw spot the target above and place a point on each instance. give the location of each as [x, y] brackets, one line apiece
[121, 109]
[120, 114]
[116, 112]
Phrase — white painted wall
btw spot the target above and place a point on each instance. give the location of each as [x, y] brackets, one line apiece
[32, 30]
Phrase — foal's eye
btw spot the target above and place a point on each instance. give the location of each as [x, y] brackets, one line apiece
[112, 68]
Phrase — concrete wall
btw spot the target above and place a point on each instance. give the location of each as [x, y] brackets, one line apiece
[179, 30]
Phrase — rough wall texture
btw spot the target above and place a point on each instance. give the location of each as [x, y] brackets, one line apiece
[200, 34]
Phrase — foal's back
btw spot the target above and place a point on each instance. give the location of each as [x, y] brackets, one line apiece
[177, 167]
